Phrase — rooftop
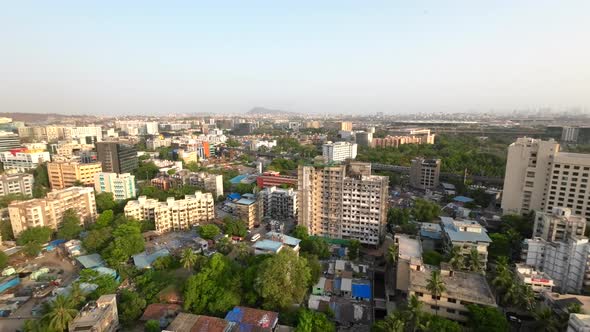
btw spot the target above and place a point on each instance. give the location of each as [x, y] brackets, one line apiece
[159, 310]
[94, 311]
[286, 239]
[90, 261]
[408, 248]
[268, 245]
[464, 230]
[144, 260]
[463, 199]
[430, 230]
[249, 318]
[245, 201]
[465, 286]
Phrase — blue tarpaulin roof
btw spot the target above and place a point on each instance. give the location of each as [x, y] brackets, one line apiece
[361, 290]
[463, 199]
[238, 178]
[234, 196]
[144, 260]
[90, 261]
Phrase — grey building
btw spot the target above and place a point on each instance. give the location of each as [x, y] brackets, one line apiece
[117, 157]
[425, 173]
[16, 184]
[8, 141]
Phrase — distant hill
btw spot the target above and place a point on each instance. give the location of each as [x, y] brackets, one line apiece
[40, 117]
[268, 111]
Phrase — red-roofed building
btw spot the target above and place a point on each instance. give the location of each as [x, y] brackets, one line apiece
[250, 318]
[157, 311]
[270, 179]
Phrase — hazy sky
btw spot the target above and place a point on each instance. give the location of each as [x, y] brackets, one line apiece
[158, 57]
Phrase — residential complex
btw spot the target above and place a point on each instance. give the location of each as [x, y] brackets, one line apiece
[467, 235]
[97, 316]
[278, 203]
[272, 179]
[68, 174]
[84, 135]
[23, 159]
[16, 184]
[117, 157]
[49, 211]
[540, 177]
[133, 127]
[424, 173]
[212, 183]
[339, 151]
[409, 136]
[173, 215]
[121, 185]
[343, 201]
[558, 225]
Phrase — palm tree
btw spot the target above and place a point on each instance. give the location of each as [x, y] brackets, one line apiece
[413, 312]
[546, 321]
[473, 260]
[392, 253]
[59, 313]
[77, 295]
[526, 297]
[511, 295]
[392, 323]
[32, 325]
[436, 287]
[188, 258]
[457, 259]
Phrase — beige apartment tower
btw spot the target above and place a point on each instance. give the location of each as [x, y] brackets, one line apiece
[540, 177]
[49, 211]
[68, 174]
[343, 201]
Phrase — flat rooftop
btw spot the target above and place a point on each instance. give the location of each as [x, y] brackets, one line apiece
[408, 247]
[465, 286]
[93, 311]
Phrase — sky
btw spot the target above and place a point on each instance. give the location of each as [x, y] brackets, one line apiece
[340, 57]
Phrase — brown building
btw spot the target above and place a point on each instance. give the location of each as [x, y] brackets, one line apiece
[117, 157]
[68, 174]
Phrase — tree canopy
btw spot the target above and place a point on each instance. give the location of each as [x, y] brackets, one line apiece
[70, 226]
[209, 231]
[486, 319]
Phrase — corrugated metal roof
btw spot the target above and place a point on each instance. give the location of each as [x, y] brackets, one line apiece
[90, 261]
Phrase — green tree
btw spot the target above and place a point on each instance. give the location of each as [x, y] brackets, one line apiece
[105, 201]
[97, 239]
[500, 246]
[232, 143]
[244, 188]
[439, 324]
[313, 321]
[209, 231]
[33, 238]
[106, 283]
[392, 323]
[235, 227]
[425, 211]
[546, 320]
[59, 313]
[432, 257]
[392, 253]
[188, 258]
[473, 261]
[215, 289]
[283, 280]
[105, 219]
[354, 249]
[6, 230]
[127, 241]
[300, 232]
[486, 319]
[315, 246]
[33, 325]
[41, 178]
[397, 216]
[131, 307]
[3, 260]
[70, 226]
[152, 325]
[435, 286]
[457, 260]
[77, 295]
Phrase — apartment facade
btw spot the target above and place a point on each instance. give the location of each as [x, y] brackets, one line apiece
[97, 316]
[343, 201]
[247, 210]
[121, 185]
[558, 225]
[407, 136]
[23, 159]
[278, 203]
[467, 235]
[49, 211]
[425, 173]
[339, 151]
[67, 174]
[540, 177]
[8, 141]
[173, 215]
[16, 184]
[117, 157]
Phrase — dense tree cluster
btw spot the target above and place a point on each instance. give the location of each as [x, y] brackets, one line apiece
[33, 239]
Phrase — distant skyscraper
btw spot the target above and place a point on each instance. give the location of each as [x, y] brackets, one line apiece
[117, 157]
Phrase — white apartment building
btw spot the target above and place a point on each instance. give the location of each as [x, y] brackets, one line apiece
[558, 225]
[210, 182]
[85, 135]
[343, 201]
[173, 215]
[467, 235]
[257, 144]
[23, 159]
[121, 185]
[538, 281]
[278, 203]
[425, 173]
[339, 151]
[136, 127]
[49, 211]
[16, 184]
[566, 262]
[540, 177]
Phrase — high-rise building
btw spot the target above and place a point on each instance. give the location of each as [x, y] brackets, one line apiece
[339, 151]
[97, 316]
[424, 173]
[8, 141]
[117, 157]
[364, 138]
[173, 215]
[121, 185]
[49, 211]
[540, 177]
[16, 184]
[345, 125]
[68, 174]
[278, 203]
[343, 201]
[23, 159]
[558, 225]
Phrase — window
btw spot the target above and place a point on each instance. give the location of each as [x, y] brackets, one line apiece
[451, 311]
[434, 307]
[452, 300]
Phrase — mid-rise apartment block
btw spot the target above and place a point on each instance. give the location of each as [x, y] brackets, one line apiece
[339, 151]
[425, 173]
[68, 174]
[248, 210]
[16, 184]
[8, 141]
[212, 183]
[275, 179]
[117, 157]
[49, 211]
[278, 203]
[467, 235]
[540, 177]
[558, 225]
[23, 159]
[345, 125]
[173, 215]
[97, 316]
[121, 185]
[566, 262]
[343, 201]
[405, 136]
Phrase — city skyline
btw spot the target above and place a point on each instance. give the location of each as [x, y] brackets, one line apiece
[335, 57]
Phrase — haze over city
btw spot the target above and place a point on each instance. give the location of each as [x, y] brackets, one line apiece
[330, 57]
